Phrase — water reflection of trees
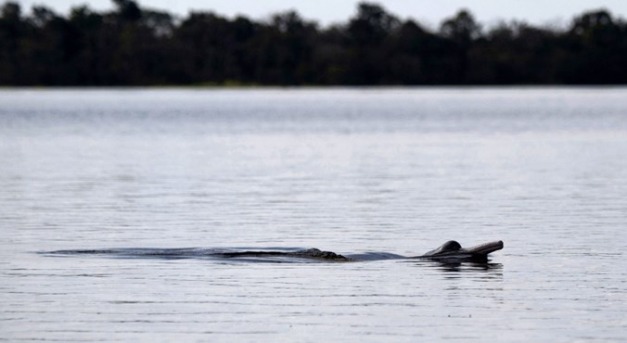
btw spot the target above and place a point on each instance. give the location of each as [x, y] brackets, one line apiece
[137, 46]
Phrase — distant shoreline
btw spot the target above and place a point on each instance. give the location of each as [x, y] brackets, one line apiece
[135, 46]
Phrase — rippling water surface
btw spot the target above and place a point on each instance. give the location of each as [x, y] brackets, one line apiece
[351, 171]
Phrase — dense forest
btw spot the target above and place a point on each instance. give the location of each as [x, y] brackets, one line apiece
[131, 45]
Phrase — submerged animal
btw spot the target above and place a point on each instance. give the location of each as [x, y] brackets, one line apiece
[450, 251]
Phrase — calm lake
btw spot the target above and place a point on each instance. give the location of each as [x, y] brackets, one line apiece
[396, 170]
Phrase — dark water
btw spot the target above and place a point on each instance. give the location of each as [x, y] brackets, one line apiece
[351, 171]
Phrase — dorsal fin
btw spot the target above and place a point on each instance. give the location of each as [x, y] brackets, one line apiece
[449, 246]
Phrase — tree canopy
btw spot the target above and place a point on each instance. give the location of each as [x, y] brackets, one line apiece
[131, 45]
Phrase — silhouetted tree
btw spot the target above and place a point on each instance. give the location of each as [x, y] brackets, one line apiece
[368, 33]
[128, 10]
[12, 32]
[462, 31]
[598, 50]
[91, 62]
[407, 59]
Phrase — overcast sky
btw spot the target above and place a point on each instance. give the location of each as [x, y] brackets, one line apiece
[430, 12]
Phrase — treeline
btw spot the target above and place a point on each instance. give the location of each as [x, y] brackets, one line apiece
[131, 45]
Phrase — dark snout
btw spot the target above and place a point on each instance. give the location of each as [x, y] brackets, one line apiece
[486, 248]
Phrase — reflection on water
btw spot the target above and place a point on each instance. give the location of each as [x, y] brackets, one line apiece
[390, 170]
[467, 266]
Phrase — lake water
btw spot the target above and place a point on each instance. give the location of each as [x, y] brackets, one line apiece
[345, 170]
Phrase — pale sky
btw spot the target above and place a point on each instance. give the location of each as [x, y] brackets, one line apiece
[430, 12]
